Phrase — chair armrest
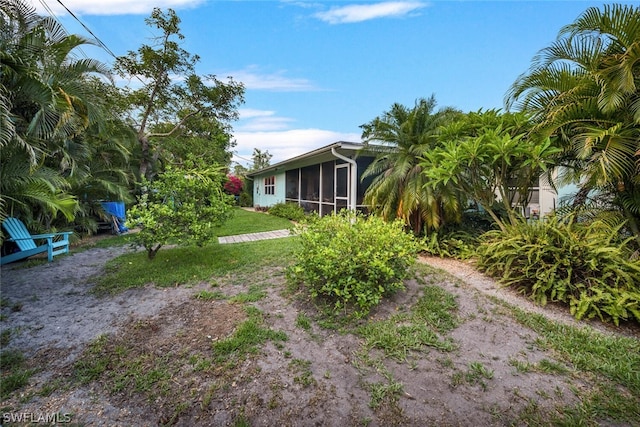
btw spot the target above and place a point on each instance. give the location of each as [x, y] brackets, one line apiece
[40, 236]
[45, 236]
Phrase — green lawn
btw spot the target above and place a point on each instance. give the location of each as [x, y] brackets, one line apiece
[244, 222]
[190, 264]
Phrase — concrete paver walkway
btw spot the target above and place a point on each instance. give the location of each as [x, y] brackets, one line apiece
[252, 237]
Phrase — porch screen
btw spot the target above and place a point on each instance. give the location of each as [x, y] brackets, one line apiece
[328, 173]
[310, 183]
[310, 187]
[291, 185]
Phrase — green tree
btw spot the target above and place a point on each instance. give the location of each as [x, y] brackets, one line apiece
[261, 159]
[173, 97]
[488, 158]
[398, 188]
[182, 206]
[584, 89]
[48, 101]
[209, 140]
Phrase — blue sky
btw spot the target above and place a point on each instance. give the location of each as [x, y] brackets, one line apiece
[314, 71]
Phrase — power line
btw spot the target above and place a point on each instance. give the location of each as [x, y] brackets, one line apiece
[53, 15]
[100, 42]
[104, 46]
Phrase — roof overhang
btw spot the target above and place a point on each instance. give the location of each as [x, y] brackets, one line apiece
[320, 155]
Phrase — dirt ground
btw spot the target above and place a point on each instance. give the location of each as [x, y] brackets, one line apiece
[317, 377]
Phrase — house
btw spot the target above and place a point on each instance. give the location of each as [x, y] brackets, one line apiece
[329, 179]
[324, 180]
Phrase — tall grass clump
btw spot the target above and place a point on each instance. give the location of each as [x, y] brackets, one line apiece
[353, 260]
[584, 265]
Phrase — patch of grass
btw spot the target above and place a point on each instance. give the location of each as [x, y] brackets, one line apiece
[384, 391]
[433, 314]
[614, 357]
[210, 296]
[303, 321]
[5, 337]
[436, 308]
[256, 293]
[477, 373]
[302, 371]
[522, 366]
[244, 222]
[614, 360]
[94, 362]
[246, 339]
[166, 376]
[552, 367]
[185, 265]
[14, 374]
[599, 404]
[106, 242]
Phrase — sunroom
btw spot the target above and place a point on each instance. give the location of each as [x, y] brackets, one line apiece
[324, 180]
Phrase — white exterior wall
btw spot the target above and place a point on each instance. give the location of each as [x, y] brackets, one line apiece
[547, 202]
[260, 199]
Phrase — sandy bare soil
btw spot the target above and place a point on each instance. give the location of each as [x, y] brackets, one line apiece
[317, 377]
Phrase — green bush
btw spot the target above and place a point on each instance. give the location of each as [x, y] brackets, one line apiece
[581, 264]
[291, 211]
[183, 206]
[456, 244]
[353, 260]
[245, 199]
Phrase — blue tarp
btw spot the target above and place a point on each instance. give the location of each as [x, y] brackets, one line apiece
[117, 210]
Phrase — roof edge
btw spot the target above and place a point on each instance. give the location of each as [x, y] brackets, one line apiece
[356, 146]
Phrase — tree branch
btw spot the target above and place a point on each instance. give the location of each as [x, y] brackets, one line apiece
[176, 127]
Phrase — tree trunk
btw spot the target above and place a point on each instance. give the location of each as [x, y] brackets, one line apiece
[152, 252]
[145, 159]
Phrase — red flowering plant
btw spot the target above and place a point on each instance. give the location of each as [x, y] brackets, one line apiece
[233, 185]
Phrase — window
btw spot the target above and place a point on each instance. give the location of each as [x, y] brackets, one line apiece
[270, 185]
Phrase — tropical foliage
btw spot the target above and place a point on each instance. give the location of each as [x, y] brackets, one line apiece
[488, 157]
[584, 265]
[398, 188]
[69, 138]
[54, 119]
[584, 89]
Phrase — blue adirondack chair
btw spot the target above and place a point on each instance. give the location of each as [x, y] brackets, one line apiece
[53, 243]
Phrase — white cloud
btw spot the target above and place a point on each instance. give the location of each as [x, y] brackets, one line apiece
[112, 7]
[365, 12]
[249, 113]
[252, 78]
[286, 144]
[252, 120]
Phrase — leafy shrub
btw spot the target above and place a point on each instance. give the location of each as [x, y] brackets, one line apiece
[456, 244]
[182, 206]
[246, 199]
[583, 265]
[233, 185]
[353, 260]
[291, 211]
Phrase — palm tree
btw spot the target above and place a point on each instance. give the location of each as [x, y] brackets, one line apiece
[398, 188]
[584, 89]
[48, 102]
